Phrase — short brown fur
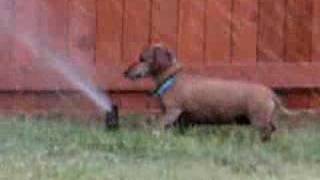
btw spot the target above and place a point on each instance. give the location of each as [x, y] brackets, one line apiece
[206, 99]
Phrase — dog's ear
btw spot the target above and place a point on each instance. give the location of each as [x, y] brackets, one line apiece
[163, 57]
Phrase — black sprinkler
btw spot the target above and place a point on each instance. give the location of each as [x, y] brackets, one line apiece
[112, 118]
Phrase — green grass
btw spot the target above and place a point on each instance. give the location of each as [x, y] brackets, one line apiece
[60, 149]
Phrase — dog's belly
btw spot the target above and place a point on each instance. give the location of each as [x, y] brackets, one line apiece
[191, 118]
[220, 110]
[216, 116]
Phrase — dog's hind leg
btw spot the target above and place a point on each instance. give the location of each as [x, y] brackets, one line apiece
[266, 131]
[264, 123]
[170, 117]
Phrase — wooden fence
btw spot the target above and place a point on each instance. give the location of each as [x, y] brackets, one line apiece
[275, 42]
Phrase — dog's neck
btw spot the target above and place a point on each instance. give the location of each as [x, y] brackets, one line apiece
[166, 80]
[171, 71]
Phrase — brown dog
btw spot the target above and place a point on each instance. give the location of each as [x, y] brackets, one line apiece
[205, 99]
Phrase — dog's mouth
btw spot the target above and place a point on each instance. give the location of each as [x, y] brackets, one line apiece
[133, 77]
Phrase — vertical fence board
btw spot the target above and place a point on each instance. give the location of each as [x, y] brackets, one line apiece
[137, 25]
[26, 27]
[53, 38]
[298, 30]
[136, 35]
[244, 27]
[271, 38]
[109, 40]
[191, 31]
[50, 43]
[218, 32]
[82, 39]
[165, 22]
[7, 8]
[7, 68]
[82, 31]
[316, 31]
[315, 94]
[109, 32]
[54, 25]
[123, 31]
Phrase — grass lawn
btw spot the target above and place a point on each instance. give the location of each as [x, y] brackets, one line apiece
[61, 149]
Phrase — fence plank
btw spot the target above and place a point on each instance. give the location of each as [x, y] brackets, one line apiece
[26, 28]
[127, 28]
[8, 79]
[50, 45]
[191, 31]
[137, 26]
[298, 30]
[165, 22]
[244, 27]
[54, 25]
[218, 31]
[316, 31]
[109, 45]
[82, 31]
[82, 38]
[109, 32]
[271, 38]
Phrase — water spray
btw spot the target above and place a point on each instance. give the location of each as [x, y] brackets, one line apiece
[72, 72]
[78, 78]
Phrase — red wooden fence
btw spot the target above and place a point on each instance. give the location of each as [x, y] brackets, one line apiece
[276, 42]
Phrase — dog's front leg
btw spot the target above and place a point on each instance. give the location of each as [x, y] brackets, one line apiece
[170, 117]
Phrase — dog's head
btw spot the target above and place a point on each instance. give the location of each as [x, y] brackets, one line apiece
[152, 61]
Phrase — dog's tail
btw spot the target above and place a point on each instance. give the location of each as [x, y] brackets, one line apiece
[295, 114]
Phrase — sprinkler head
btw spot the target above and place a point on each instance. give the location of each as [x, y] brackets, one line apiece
[112, 118]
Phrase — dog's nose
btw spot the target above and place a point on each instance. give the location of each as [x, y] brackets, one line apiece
[125, 74]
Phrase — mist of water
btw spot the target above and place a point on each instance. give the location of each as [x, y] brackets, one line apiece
[70, 71]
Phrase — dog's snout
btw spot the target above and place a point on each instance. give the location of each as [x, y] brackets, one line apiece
[137, 71]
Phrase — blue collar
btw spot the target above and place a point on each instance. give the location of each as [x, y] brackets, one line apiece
[165, 87]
